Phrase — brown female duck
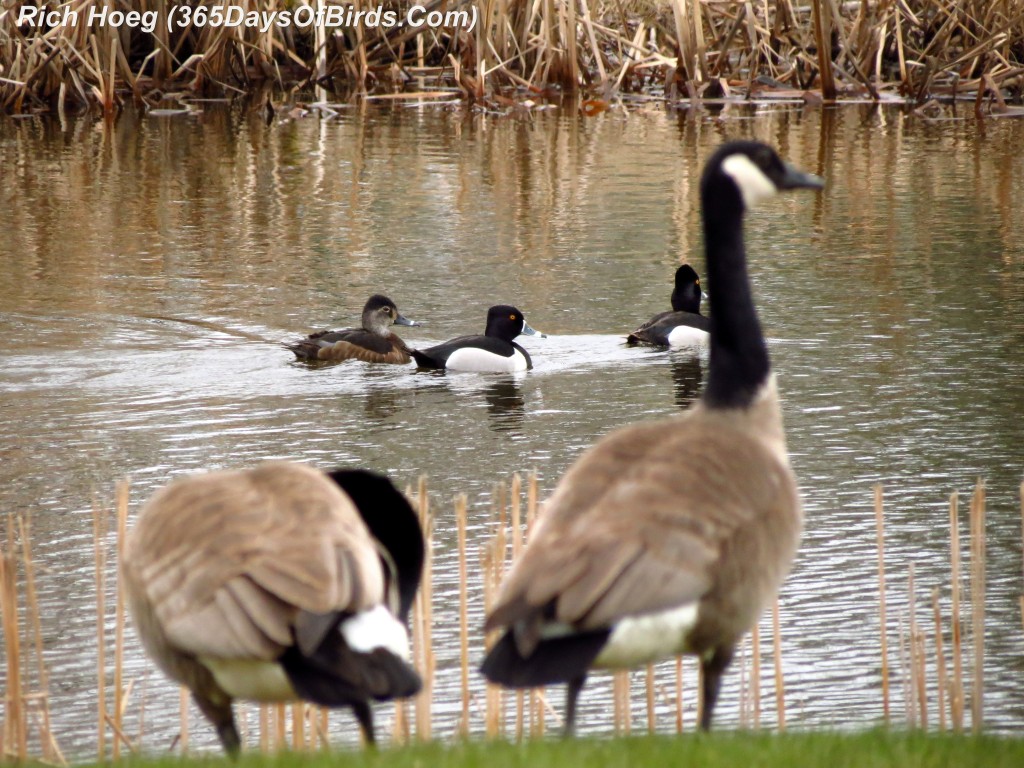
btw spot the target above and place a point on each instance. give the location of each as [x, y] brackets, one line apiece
[372, 343]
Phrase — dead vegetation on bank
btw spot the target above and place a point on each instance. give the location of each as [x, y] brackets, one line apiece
[909, 50]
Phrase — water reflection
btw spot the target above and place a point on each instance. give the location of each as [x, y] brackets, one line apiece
[501, 393]
[687, 377]
[506, 406]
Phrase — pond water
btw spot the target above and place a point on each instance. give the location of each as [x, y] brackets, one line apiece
[153, 266]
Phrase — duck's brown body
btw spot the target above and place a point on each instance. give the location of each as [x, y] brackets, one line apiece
[373, 342]
[352, 344]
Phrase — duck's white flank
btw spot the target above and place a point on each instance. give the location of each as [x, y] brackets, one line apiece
[639, 640]
[754, 185]
[688, 336]
[376, 628]
[479, 360]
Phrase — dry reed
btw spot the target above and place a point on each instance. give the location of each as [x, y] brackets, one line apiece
[883, 622]
[691, 49]
[978, 605]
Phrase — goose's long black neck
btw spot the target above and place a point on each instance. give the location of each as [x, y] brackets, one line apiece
[739, 363]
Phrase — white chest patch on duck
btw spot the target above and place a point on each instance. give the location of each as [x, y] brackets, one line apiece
[688, 336]
[481, 361]
[642, 639]
[754, 186]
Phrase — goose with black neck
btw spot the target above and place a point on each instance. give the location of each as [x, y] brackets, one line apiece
[669, 536]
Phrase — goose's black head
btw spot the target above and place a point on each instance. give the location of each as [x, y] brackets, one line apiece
[380, 313]
[746, 173]
[506, 322]
[686, 295]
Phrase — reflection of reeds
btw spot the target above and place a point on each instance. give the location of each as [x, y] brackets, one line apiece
[684, 48]
[931, 646]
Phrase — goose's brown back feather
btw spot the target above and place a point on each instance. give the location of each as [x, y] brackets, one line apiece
[652, 518]
[227, 564]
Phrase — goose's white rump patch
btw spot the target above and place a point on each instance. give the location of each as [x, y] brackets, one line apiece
[639, 640]
[376, 628]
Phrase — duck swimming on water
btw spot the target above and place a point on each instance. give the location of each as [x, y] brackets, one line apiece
[372, 343]
[684, 325]
[493, 352]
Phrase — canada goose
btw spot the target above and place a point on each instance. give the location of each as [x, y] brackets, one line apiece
[373, 342]
[684, 326]
[670, 536]
[494, 352]
[277, 583]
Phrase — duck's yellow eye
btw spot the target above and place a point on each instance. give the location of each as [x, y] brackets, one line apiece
[697, 283]
[512, 317]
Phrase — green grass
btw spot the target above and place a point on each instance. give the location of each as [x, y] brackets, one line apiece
[723, 750]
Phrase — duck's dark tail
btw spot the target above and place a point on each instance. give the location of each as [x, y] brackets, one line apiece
[423, 360]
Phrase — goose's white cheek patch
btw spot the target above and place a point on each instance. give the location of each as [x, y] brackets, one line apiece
[753, 184]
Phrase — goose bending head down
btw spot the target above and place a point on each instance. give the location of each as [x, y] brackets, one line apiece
[671, 536]
[277, 583]
[372, 342]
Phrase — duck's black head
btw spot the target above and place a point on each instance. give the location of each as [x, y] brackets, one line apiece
[686, 295]
[380, 313]
[506, 322]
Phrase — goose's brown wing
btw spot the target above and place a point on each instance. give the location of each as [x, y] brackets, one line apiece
[229, 564]
[642, 523]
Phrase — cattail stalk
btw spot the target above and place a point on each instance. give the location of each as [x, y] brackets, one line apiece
[780, 685]
[956, 695]
[119, 619]
[14, 723]
[99, 530]
[940, 660]
[882, 618]
[460, 523]
[978, 605]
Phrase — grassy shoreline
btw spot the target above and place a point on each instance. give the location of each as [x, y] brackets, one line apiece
[873, 749]
[492, 52]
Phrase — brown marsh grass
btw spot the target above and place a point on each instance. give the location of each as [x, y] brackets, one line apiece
[937, 658]
[607, 50]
